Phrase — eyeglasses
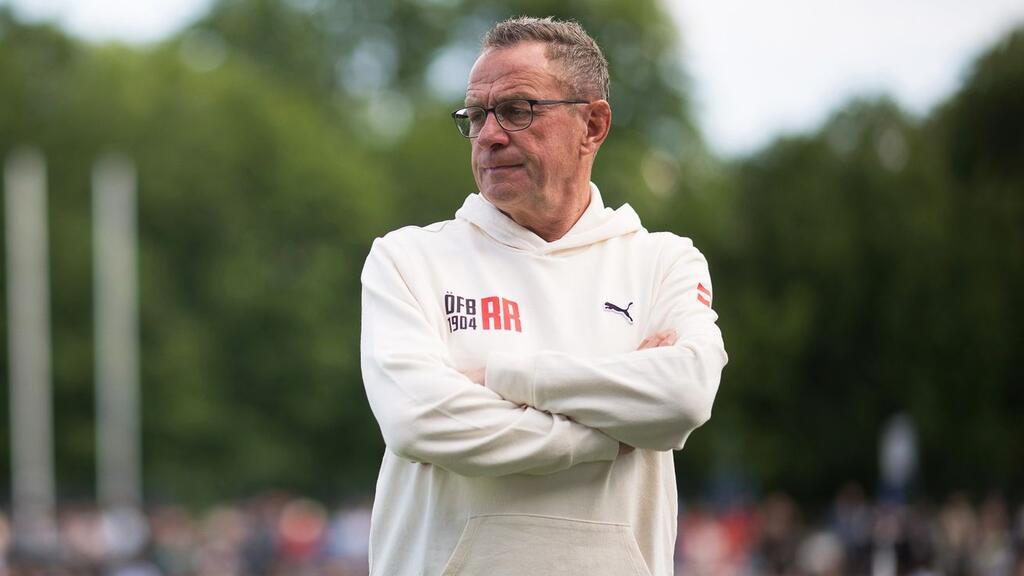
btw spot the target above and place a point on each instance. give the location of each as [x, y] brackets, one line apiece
[512, 115]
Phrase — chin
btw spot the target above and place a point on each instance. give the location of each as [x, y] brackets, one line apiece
[500, 194]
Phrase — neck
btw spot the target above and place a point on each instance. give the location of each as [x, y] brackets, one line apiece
[552, 222]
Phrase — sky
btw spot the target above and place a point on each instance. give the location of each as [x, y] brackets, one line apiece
[759, 69]
[764, 69]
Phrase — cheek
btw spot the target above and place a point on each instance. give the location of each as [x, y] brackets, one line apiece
[473, 160]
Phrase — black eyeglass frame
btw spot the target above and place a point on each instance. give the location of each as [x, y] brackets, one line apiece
[462, 112]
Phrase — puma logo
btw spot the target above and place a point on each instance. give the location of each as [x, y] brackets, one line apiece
[624, 311]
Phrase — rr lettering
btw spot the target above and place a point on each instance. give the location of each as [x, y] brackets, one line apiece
[511, 315]
[491, 312]
[500, 314]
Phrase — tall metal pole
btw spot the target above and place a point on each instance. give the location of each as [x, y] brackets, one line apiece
[117, 333]
[28, 312]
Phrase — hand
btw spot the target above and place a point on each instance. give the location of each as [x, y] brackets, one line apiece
[659, 339]
[476, 375]
[656, 340]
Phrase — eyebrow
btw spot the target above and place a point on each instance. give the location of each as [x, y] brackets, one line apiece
[506, 97]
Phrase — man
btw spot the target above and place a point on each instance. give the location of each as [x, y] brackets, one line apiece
[533, 362]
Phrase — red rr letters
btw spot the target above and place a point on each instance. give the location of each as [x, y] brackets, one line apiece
[500, 314]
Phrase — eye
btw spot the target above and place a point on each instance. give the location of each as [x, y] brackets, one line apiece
[516, 112]
[476, 115]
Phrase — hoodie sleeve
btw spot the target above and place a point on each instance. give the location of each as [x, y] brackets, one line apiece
[429, 412]
[652, 398]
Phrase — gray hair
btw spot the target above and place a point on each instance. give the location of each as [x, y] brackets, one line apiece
[567, 42]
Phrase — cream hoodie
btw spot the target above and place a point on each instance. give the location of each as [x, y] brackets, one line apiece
[522, 476]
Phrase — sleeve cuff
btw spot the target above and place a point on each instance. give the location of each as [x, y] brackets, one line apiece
[511, 377]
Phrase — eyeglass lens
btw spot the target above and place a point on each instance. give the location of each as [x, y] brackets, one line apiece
[511, 115]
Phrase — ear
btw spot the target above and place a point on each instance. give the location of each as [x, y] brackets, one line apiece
[599, 122]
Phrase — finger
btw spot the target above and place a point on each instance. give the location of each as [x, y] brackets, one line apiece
[655, 340]
[475, 375]
[666, 337]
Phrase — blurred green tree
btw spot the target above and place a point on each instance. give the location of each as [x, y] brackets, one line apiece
[255, 212]
[875, 267]
[274, 139]
[979, 323]
[871, 267]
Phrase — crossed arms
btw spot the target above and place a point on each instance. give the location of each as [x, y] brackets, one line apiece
[663, 338]
[537, 413]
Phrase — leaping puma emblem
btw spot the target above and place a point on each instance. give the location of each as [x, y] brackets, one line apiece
[624, 311]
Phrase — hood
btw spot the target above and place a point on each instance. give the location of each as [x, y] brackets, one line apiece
[595, 225]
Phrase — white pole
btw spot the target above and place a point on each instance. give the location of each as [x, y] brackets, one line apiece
[117, 333]
[28, 311]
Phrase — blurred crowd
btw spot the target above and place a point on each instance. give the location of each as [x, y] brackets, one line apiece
[271, 535]
[278, 534]
[854, 536]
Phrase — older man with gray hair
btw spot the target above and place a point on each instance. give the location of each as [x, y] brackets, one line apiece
[533, 362]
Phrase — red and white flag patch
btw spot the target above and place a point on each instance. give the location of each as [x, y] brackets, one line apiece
[703, 295]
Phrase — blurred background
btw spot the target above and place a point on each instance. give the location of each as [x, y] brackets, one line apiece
[853, 172]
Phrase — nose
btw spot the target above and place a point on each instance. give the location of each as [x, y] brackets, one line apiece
[492, 134]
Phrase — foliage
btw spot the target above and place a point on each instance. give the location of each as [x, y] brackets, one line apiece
[871, 267]
[877, 268]
[270, 153]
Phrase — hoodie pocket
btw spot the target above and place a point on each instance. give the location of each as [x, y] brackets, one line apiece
[517, 544]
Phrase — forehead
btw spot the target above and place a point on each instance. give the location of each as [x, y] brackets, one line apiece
[522, 70]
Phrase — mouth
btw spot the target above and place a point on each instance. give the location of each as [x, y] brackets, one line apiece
[502, 168]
